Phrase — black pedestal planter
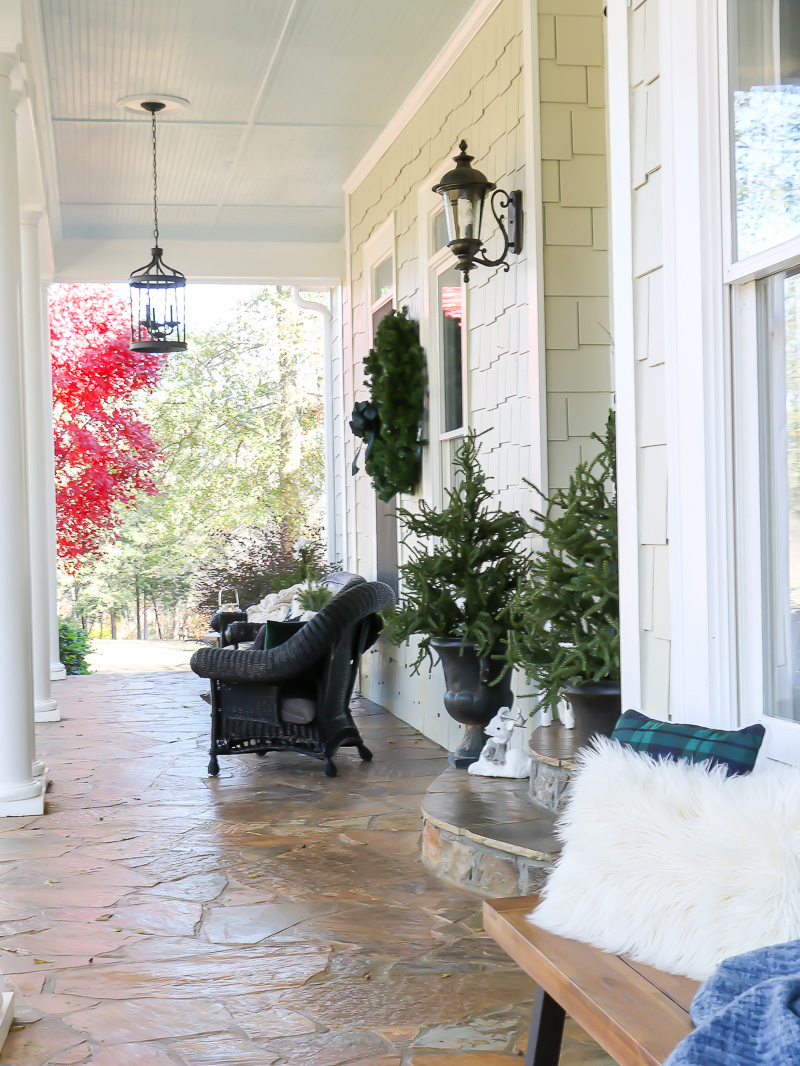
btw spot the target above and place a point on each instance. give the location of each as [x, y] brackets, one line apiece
[471, 698]
[597, 706]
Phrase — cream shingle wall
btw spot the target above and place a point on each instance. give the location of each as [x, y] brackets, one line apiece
[482, 98]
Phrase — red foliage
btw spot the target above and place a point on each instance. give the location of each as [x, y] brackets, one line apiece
[104, 454]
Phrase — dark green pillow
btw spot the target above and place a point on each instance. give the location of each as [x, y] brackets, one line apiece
[274, 634]
[735, 749]
[278, 633]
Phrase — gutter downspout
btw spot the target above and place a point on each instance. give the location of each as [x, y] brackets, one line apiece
[327, 401]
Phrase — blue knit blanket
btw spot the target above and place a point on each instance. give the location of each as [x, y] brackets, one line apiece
[747, 1013]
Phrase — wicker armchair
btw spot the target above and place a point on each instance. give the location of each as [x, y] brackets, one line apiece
[248, 687]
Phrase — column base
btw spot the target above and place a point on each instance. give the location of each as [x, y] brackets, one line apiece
[6, 1015]
[57, 671]
[22, 799]
[38, 769]
[47, 711]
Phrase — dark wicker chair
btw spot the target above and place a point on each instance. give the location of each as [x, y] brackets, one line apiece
[247, 686]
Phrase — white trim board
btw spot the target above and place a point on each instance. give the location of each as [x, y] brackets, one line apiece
[624, 356]
[534, 243]
[466, 30]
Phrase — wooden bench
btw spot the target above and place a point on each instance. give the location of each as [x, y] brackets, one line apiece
[637, 1014]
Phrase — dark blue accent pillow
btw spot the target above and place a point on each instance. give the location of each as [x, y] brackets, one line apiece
[735, 749]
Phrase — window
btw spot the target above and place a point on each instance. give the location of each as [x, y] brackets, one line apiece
[450, 312]
[445, 339]
[763, 96]
[382, 292]
[765, 122]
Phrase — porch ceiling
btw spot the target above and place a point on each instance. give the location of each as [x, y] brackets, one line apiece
[285, 97]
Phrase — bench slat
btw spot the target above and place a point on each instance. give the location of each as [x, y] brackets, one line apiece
[622, 1007]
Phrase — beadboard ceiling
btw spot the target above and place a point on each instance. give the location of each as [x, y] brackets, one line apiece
[285, 98]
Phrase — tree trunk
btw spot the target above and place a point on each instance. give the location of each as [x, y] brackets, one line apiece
[158, 620]
[138, 611]
[113, 625]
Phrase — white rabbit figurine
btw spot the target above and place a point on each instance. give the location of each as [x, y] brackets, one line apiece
[496, 760]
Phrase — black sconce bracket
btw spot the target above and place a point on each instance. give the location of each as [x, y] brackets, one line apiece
[512, 233]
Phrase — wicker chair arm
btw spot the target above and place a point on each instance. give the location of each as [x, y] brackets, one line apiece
[302, 650]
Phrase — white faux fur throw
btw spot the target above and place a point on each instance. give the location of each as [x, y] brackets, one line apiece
[678, 866]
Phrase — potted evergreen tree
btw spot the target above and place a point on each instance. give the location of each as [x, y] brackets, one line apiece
[464, 563]
[565, 634]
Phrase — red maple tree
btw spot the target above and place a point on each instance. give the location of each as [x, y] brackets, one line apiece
[104, 453]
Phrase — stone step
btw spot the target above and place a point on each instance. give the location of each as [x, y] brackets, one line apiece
[553, 749]
[486, 835]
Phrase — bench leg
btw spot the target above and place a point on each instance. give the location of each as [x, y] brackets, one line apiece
[546, 1032]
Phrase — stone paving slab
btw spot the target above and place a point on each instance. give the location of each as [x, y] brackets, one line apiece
[156, 917]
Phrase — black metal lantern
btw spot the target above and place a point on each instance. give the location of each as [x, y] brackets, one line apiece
[464, 191]
[158, 293]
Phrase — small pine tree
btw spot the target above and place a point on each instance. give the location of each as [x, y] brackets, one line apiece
[464, 564]
[395, 372]
[566, 619]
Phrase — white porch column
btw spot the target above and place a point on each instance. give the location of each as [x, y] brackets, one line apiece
[38, 440]
[57, 669]
[20, 792]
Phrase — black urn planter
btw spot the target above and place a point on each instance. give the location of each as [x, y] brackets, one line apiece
[471, 698]
[597, 706]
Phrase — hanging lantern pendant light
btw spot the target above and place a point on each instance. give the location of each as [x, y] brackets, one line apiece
[158, 293]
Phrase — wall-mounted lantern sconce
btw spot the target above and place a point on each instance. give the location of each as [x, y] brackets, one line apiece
[464, 192]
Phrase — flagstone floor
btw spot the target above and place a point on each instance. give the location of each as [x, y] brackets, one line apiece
[156, 917]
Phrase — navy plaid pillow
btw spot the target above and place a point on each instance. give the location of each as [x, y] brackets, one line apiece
[735, 749]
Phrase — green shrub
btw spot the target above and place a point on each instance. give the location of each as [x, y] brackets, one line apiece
[314, 597]
[462, 565]
[73, 647]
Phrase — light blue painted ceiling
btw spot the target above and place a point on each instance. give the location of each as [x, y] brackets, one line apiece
[285, 97]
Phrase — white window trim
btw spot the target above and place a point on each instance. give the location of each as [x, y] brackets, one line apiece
[381, 244]
[699, 450]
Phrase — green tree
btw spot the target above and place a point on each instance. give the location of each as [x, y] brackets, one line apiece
[239, 419]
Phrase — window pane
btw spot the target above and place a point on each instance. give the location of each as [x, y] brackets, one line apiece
[451, 304]
[378, 315]
[765, 84]
[779, 330]
[440, 237]
[382, 279]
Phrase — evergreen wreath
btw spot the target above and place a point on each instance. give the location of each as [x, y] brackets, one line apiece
[565, 616]
[396, 373]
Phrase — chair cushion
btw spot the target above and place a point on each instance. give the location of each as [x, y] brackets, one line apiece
[298, 711]
[735, 749]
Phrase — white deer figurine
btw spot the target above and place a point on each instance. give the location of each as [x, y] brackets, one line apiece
[496, 760]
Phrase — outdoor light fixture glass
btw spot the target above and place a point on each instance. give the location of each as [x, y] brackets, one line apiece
[464, 191]
[158, 293]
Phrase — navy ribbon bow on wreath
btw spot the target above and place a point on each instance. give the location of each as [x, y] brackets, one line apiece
[365, 423]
